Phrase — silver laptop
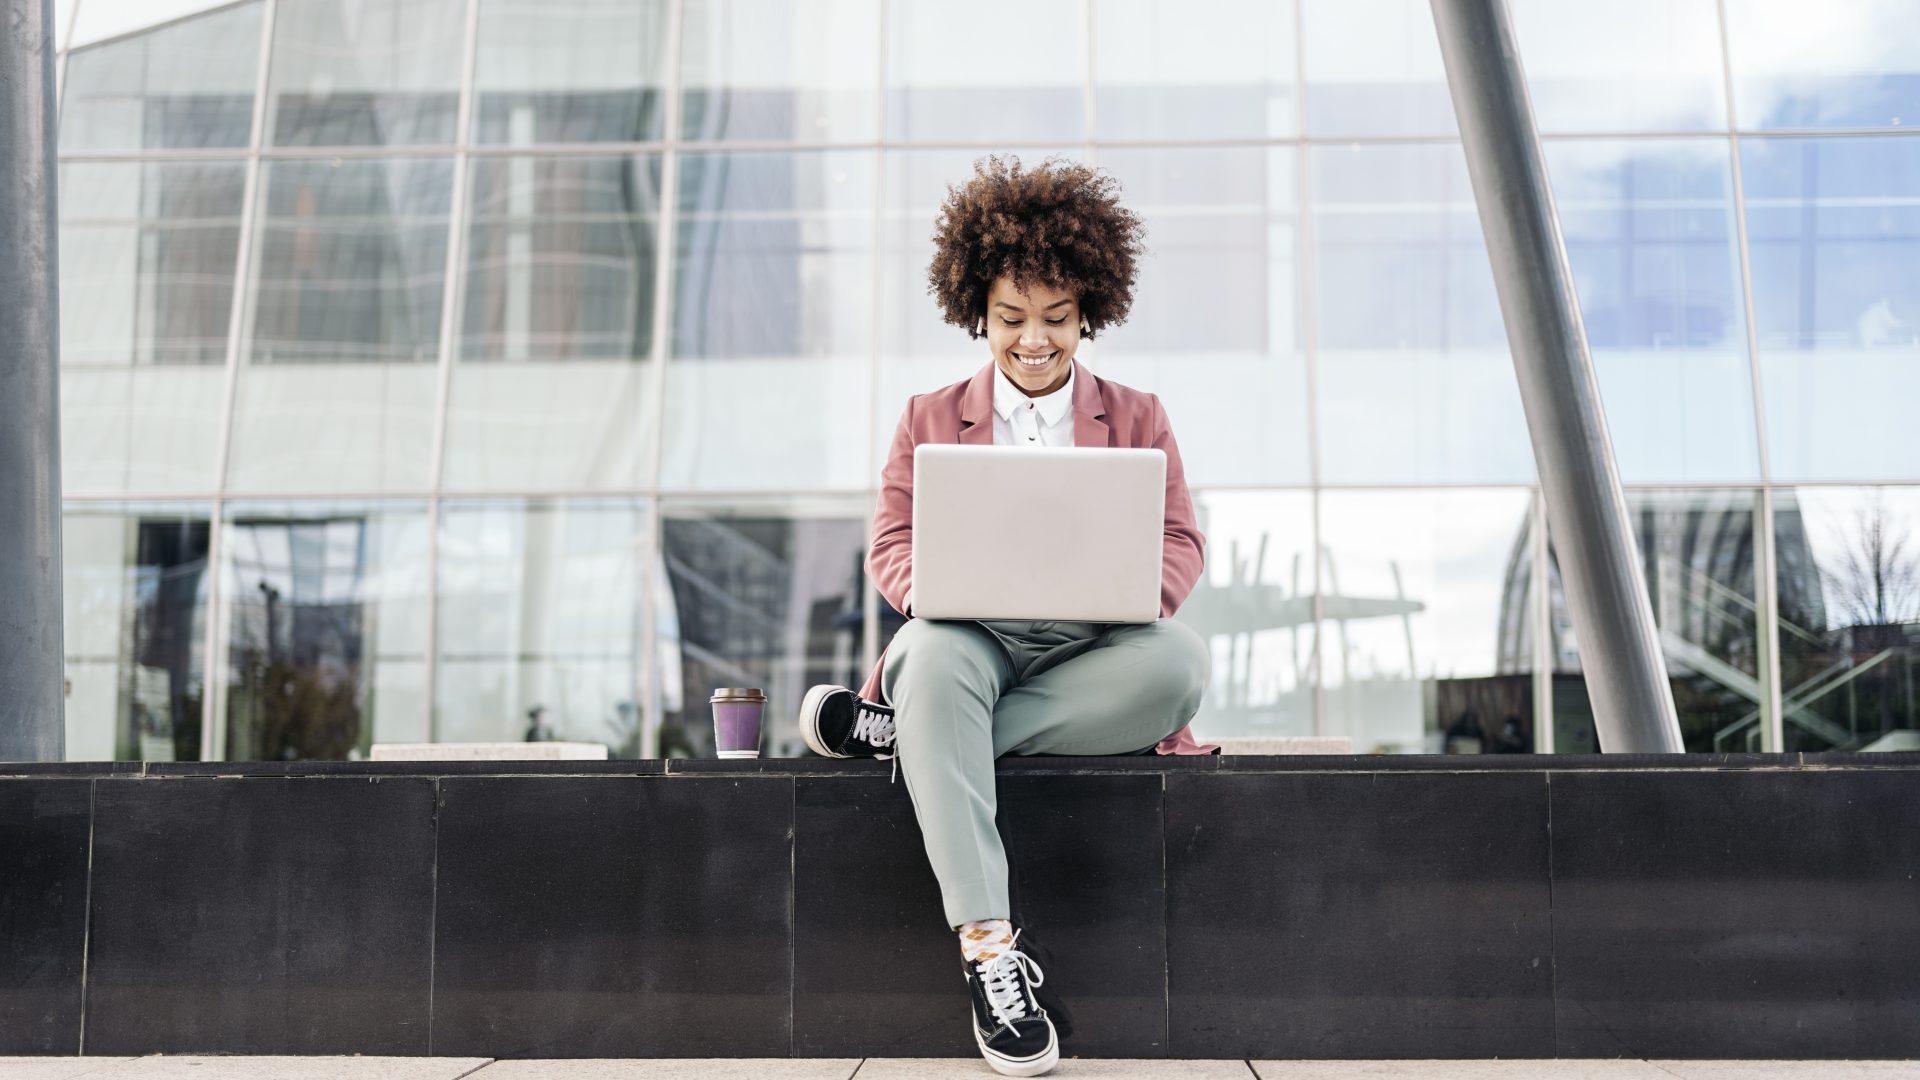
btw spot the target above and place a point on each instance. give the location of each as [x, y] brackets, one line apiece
[1058, 533]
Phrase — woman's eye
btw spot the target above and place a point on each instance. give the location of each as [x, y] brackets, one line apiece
[1009, 322]
[1057, 322]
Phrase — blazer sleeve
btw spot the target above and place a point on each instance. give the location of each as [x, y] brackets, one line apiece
[890, 552]
[1183, 549]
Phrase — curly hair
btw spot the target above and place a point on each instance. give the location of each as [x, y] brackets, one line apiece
[1060, 224]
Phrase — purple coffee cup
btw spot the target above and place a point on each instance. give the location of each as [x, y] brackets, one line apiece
[736, 721]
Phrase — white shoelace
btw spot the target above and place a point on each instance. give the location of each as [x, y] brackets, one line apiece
[1003, 988]
[875, 727]
[878, 729]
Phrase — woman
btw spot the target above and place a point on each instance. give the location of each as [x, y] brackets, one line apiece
[1035, 261]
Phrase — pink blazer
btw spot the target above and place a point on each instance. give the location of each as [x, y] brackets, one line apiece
[1105, 413]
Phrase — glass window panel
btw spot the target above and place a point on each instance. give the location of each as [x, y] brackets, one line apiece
[557, 325]
[1650, 233]
[1415, 383]
[1425, 616]
[773, 322]
[1372, 67]
[1212, 329]
[918, 351]
[1816, 66]
[990, 71]
[147, 254]
[98, 20]
[540, 623]
[1849, 570]
[569, 72]
[134, 586]
[1635, 65]
[1254, 607]
[765, 596]
[185, 85]
[63, 21]
[323, 629]
[365, 72]
[779, 71]
[1696, 552]
[1165, 69]
[1833, 228]
[339, 392]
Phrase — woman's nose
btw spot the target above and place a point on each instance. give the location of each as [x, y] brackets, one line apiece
[1034, 336]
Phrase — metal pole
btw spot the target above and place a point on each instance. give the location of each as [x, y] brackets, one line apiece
[1606, 596]
[32, 651]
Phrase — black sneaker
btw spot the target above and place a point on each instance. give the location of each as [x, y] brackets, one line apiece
[1014, 1033]
[837, 723]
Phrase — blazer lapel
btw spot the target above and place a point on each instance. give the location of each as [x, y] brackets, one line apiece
[1088, 408]
[976, 409]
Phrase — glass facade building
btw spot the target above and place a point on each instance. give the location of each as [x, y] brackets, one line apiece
[498, 370]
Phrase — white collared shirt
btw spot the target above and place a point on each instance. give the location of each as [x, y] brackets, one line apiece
[1019, 420]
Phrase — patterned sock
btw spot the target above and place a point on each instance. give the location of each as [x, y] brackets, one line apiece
[983, 939]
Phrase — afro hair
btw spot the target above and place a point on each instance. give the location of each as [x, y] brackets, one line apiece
[1060, 224]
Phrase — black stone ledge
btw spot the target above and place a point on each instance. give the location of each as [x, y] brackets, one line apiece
[1022, 766]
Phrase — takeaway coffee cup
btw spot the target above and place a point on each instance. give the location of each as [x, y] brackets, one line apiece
[736, 721]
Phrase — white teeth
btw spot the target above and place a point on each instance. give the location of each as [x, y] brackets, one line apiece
[1031, 362]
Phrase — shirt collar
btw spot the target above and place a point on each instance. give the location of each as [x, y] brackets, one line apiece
[1052, 407]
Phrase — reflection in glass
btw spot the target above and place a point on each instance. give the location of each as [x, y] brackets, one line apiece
[352, 260]
[1164, 69]
[338, 395]
[1254, 607]
[1650, 233]
[1849, 571]
[1372, 67]
[1696, 551]
[186, 85]
[1428, 645]
[1816, 66]
[764, 598]
[1010, 70]
[779, 71]
[1212, 330]
[324, 629]
[572, 71]
[364, 72]
[1834, 230]
[773, 322]
[1415, 383]
[1630, 65]
[135, 595]
[540, 621]
[558, 321]
[147, 255]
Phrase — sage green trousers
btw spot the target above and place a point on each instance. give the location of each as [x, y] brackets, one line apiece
[965, 692]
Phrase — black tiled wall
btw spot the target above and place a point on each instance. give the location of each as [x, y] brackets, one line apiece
[43, 913]
[1688, 907]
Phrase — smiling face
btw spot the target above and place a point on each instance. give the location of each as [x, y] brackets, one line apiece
[1033, 334]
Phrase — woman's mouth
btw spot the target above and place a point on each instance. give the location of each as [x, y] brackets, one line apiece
[1034, 363]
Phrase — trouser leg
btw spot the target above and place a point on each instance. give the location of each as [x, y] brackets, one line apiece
[1135, 685]
[943, 679]
[962, 698]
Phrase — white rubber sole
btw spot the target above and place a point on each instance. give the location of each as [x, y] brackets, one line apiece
[809, 712]
[1033, 1066]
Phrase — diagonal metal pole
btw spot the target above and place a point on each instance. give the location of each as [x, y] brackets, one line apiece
[32, 679]
[1586, 510]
